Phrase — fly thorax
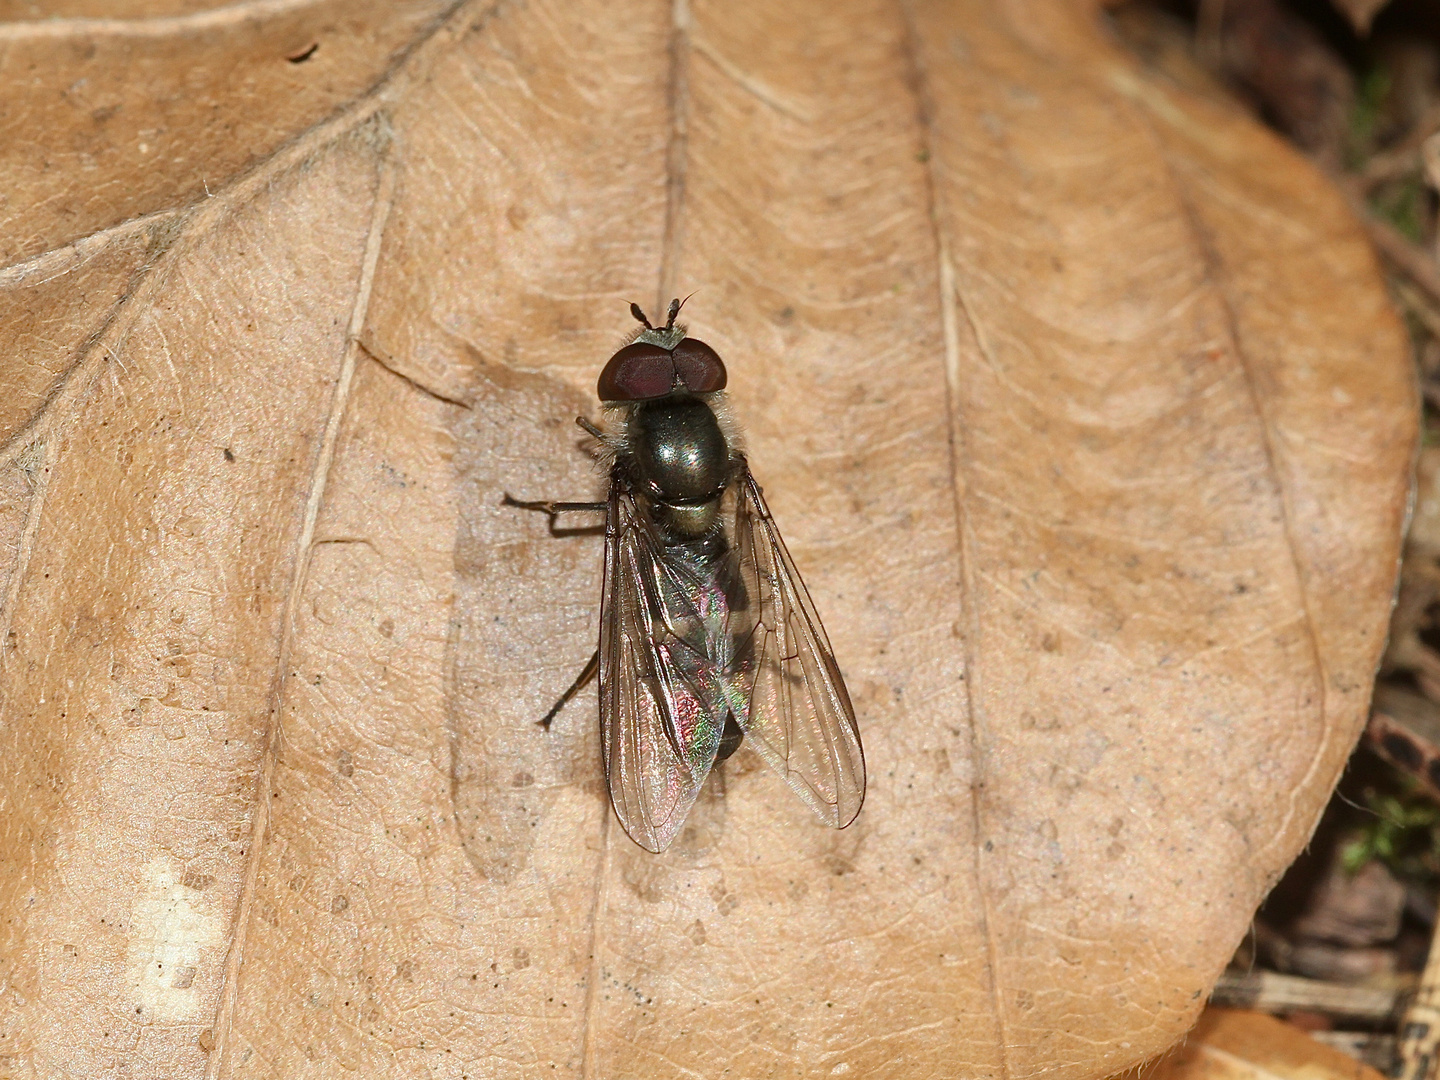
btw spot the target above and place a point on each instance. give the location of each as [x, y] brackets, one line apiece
[679, 452]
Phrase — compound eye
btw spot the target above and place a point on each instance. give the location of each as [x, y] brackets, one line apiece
[699, 366]
[636, 373]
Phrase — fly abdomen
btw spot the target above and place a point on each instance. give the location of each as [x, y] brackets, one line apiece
[730, 738]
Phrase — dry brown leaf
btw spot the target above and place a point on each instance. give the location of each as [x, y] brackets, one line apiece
[1235, 1044]
[1079, 401]
[1361, 13]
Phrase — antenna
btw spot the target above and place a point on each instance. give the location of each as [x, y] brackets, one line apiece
[640, 315]
[674, 310]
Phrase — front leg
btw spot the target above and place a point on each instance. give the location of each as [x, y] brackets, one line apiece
[552, 510]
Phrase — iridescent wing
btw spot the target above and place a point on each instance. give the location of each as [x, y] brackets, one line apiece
[662, 703]
[799, 717]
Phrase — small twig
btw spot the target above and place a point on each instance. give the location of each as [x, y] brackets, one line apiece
[1268, 992]
[1404, 727]
[1404, 256]
[1422, 306]
[1404, 157]
[1420, 1029]
[1396, 249]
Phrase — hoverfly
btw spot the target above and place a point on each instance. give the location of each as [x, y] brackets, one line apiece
[707, 635]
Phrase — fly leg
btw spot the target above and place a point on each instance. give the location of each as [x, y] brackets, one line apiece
[586, 674]
[553, 510]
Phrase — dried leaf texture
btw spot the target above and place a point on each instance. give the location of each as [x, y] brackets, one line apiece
[1078, 399]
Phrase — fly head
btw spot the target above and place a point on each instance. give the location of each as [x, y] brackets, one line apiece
[661, 361]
